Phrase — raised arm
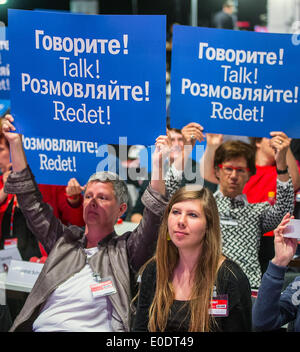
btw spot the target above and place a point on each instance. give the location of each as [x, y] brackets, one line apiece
[3, 195]
[280, 139]
[285, 191]
[180, 169]
[285, 248]
[191, 133]
[293, 169]
[272, 308]
[18, 157]
[213, 141]
[161, 152]
[142, 241]
[74, 193]
[39, 215]
[280, 143]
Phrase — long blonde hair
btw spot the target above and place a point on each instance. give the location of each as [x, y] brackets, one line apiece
[167, 257]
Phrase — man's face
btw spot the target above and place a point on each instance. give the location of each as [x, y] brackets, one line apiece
[100, 206]
[177, 144]
[229, 9]
[233, 175]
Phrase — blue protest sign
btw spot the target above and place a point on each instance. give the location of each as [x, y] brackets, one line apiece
[4, 65]
[78, 159]
[4, 106]
[81, 81]
[92, 76]
[235, 82]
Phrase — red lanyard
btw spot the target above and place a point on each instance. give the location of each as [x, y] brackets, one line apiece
[11, 225]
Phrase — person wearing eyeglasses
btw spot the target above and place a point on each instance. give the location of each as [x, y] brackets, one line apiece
[244, 223]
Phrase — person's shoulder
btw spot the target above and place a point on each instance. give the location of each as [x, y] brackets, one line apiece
[149, 270]
[230, 270]
[151, 266]
[73, 233]
[259, 206]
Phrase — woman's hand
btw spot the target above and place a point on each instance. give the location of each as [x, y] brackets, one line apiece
[161, 152]
[285, 248]
[73, 191]
[162, 148]
[192, 133]
[280, 142]
[18, 157]
[8, 129]
[214, 140]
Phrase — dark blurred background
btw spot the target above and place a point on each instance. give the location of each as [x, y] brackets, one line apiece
[249, 12]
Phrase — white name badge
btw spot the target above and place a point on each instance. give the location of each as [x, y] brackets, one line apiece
[293, 229]
[10, 243]
[6, 255]
[104, 287]
[23, 274]
[228, 221]
[219, 306]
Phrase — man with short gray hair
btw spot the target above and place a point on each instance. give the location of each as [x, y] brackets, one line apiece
[85, 282]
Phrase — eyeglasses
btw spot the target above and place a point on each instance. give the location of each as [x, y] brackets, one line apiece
[228, 169]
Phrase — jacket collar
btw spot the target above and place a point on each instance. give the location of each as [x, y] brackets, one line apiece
[241, 198]
[76, 234]
[107, 238]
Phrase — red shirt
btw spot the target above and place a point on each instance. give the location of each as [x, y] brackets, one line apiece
[56, 197]
[3, 205]
[260, 184]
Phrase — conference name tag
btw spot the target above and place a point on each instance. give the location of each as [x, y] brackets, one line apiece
[104, 287]
[219, 306]
[229, 221]
[10, 243]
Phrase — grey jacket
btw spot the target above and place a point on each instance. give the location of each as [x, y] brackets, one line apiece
[118, 256]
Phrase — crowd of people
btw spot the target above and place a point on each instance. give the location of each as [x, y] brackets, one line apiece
[193, 261]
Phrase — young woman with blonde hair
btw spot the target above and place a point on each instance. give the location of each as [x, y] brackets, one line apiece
[189, 285]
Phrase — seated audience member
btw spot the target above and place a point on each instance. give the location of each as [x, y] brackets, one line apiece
[265, 179]
[182, 142]
[273, 308]
[85, 282]
[183, 284]
[244, 223]
[263, 183]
